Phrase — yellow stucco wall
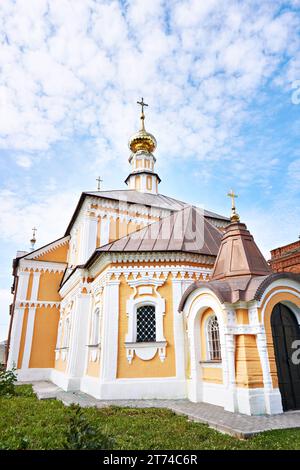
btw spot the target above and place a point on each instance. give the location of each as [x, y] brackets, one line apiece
[212, 375]
[49, 286]
[58, 255]
[248, 366]
[242, 317]
[93, 369]
[44, 337]
[154, 367]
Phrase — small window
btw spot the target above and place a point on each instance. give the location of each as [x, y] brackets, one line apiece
[67, 333]
[213, 339]
[95, 336]
[145, 324]
[59, 335]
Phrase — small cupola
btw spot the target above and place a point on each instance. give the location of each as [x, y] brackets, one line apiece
[238, 254]
[142, 145]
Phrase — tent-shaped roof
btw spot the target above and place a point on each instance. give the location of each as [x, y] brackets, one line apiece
[239, 255]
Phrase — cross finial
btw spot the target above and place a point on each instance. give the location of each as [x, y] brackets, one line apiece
[33, 239]
[142, 104]
[234, 216]
[99, 181]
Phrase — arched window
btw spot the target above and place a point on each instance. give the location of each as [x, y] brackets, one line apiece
[213, 339]
[67, 332]
[59, 334]
[95, 333]
[145, 324]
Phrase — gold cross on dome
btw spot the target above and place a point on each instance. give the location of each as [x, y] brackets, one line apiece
[233, 197]
[99, 181]
[142, 104]
[234, 216]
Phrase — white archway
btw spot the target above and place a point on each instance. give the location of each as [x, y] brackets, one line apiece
[196, 304]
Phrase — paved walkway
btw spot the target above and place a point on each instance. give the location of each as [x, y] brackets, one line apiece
[236, 424]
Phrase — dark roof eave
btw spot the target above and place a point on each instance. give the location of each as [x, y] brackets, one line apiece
[140, 173]
[98, 252]
[271, 278]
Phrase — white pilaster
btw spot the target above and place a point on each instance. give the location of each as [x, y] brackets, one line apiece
[78, 339]
[18, 316]
[230, 401]
[35, 285]
[22, 285]
[273, 402]
[110, 331]
[104, 230]
[88, 237]
[178, 330]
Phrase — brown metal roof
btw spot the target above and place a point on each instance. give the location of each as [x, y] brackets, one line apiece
[244, 288]
[185, 231]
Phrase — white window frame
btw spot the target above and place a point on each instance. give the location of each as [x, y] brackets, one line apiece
[95, 327]
[146, 350]
[207, 337]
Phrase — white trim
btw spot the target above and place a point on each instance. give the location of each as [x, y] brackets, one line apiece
[35, 285]
[48, 248]
[109, 351]
[178, 329]
[18, 317]
[145, 351]
[142, 389]
[22, 284]
[34, 374]
[45, 266]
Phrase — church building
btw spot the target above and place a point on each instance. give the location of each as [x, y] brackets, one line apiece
[146, 297]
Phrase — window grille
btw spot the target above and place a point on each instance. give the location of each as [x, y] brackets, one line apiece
[145, 324]
[213, 336]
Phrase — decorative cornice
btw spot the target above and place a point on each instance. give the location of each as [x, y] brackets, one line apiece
[151, 257]
[50, 266]
[244, 329]
[36, 303]
[48, 248]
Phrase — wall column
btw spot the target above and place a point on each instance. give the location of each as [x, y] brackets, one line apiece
[178, 330]
[110, 331]
[18, 320]
[272, 397]
[15, 337]
[89, 237]
[78, 340]
[230, 402]
[104, 230]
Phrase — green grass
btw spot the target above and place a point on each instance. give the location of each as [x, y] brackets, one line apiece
[26, 422]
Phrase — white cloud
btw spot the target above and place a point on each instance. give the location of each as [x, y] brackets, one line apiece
[49, 212]
[78, 66]
[24, 161]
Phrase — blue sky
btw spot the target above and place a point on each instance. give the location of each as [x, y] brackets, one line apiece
[222, 80]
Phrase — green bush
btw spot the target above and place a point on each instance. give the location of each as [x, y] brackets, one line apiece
[8, 379]
[81, 434]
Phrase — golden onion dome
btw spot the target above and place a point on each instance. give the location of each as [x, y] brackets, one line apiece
[142, 140]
